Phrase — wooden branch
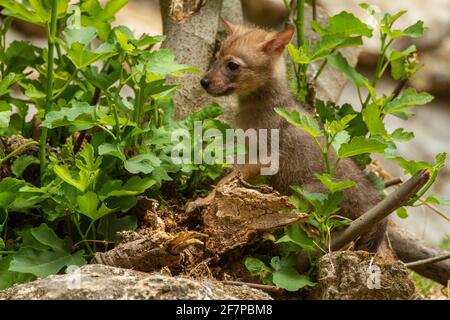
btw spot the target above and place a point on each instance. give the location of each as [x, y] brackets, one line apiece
[393, 182]
[425, 262]
[395, 200]
[358, 227]
[410, 248]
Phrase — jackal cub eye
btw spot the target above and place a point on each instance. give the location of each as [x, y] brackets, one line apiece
[233, 66]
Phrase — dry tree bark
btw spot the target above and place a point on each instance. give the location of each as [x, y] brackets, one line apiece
[237, 217]
[410, 248]
[239, 214]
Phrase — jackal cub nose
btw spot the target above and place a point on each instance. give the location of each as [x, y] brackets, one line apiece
[205, 83]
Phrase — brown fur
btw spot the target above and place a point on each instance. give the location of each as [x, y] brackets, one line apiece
[261, 85]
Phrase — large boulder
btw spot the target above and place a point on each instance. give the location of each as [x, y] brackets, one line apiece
[99, 282]
[359, 275]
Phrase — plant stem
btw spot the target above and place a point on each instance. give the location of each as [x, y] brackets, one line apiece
[300, 22]
[314, 10]
[7, 252]
[322, 66]
[116, 116]
[433, 178]
[83, 236]
[381, 66]
[50, 80]
[77, 145]
[61, 91]
[327, 161]
[104, 242]
[107, 131]
[139, 99]
[18, 150]
[398, 89]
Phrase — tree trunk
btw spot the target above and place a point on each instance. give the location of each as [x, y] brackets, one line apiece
[409, 248]
[191, 34]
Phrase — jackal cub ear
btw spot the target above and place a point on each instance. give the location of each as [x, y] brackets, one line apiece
[279, 41]
[228, 26]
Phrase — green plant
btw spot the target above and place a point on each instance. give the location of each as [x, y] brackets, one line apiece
[349, 131]
[105, 137]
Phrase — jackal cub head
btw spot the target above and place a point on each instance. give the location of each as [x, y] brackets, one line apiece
[248, 60]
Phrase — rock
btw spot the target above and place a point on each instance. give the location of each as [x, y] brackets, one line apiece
[359, 275]
[98, 282]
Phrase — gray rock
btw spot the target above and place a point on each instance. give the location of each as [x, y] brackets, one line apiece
[99, 282]
[359, 275]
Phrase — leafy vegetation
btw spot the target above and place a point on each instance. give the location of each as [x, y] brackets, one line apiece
[105, 112]
[347, 130]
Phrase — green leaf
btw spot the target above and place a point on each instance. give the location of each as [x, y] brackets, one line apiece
[20, 55]
[133, 187]
[83, 57]
[289, 279]
[361, 145]
[409, 98]
[415, 31]
[44, 263]
[53, 254]
[147, 40]
[332, 42]
[8, 278]
[81, 183]
[112, 149]
[374, 121]
[297, 235]
[400, 68]
[142, 163]
[88, 161]
[437, 200]
[402, 213]
[80, 34]
[7, 82]
[32, 92]
[111, 8]
[22, 163]
[124, 40]
[103, 79]
[209, 112]
[9, 188]
[338, 61]
[341, 138]
[333, 186]
[298, 55]
[344, 23]
[305, 122]
[21, 11]
[161, 63]
[334, 127]
[410, 166]
[80, 114]
[401, 135]
[256, 266]
[5, 114]
[89, 206]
